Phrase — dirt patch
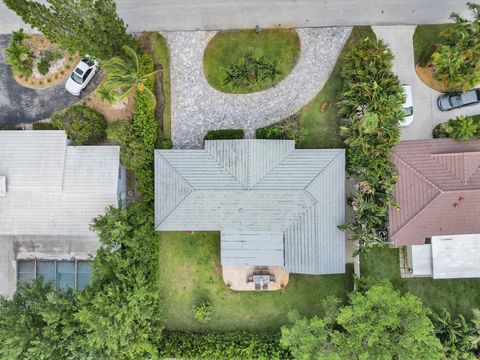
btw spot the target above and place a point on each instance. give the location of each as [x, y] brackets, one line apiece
[59, 69]
[111, 114]
[426, 75]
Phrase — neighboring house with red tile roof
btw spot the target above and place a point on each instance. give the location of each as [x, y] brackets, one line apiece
[437, 193]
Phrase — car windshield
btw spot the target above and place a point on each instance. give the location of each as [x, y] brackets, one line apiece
[408, 111]
[76, 78]
[456, 100]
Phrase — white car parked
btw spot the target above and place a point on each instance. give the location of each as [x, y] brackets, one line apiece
[407, 106]
[81, 76]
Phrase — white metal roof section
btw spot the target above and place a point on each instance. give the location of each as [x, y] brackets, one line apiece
[53, 188]
[422, 260]
[456, 256]
[238, 248]
[33, 159]
[258, 186]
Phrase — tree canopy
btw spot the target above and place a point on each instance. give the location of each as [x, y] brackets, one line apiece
[80, 26]
[379, 323]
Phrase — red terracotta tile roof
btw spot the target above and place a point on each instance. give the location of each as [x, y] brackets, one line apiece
[438, 190]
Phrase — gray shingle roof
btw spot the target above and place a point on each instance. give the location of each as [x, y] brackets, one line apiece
[53, 188]
[258, 186]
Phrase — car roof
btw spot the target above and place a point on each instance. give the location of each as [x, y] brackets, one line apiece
[408, 96]
[82, 65]
[470, 97]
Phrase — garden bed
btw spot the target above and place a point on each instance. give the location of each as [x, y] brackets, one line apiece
[55, 64]
[250, 53]
[111, 114]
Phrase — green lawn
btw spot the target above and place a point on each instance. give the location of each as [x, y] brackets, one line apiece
[425, 39]
[229, 47]
[190, 270]
[457, 295]
[322, 127]
[161, 56]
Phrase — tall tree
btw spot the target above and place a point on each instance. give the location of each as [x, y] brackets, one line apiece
[379, 323]
[457, 60]
[83, 26]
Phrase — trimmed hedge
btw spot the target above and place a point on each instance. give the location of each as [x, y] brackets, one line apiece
[43, 126]
[226, 134]
[230, 345]
[287, 129]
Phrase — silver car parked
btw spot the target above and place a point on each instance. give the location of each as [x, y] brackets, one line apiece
[457, 100]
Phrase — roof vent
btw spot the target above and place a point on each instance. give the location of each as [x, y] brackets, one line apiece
[3, 186]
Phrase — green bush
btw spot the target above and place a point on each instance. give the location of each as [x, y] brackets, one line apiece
[371, 105]
[166, 144]
[224, 134]
[46, 60]
[461, 128]
[117, 130]
[83, 125]
[250, 71]
[18, 55]
[288, 129]
[43, 126]
[202, 312]
[230, 345]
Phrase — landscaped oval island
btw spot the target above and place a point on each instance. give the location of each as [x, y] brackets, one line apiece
[245, 61]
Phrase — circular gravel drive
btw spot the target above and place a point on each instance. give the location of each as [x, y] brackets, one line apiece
[19, 104]
[198, 108]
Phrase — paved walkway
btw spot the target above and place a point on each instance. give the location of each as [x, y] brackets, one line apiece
[426, 112]
[197, 107]
[19, 104]
[174, 15]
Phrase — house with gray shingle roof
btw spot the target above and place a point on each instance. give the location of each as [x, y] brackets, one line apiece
[273, 204]
[49, 193]
[436, 222]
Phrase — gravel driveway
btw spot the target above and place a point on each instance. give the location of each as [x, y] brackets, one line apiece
[19, 104]
[197, 107]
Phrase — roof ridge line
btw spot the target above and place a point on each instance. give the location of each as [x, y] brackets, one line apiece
[169, 164]
[224, 168]
[417, 214]
[64, 162]
[269, 171]
[427, 180]
[321, 172]
[175, 208]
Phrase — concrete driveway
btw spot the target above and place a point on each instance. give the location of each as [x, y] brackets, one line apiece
[426, 112]
[19, 104]
[170, 15]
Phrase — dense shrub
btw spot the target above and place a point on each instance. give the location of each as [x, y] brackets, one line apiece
[166, 144]
[457, 61]
[371, 105]
[43, 126]
[224, 134]
[231, 345]
[138, 137]
[288, 129]
[461, 128]
[83, 125]
[202, 312]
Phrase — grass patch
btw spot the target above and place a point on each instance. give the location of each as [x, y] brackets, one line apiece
[229, 47]
[322, 125]
[458, 296]
[161, 56]
[190, 270]
[425, 40]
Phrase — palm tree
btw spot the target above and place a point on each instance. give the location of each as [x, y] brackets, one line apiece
[474, 338]
[20, 58]
[126, 77]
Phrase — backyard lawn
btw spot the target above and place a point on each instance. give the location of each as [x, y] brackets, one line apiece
[458, 296]
[230, 47]
[190, 271]
[322, 127]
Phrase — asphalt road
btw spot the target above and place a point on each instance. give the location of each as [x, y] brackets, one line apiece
[167, 15]
[19, 104]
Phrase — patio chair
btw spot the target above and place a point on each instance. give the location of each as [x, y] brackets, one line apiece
[265, 271]
[256, 272]
[265, 287]
[257, 287]
[272, 278]
[250, 278]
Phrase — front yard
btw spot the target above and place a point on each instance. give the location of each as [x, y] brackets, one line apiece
[190, 270]
[458, 296]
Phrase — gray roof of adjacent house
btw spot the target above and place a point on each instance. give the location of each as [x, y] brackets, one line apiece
[48, 187]
[271, 202]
